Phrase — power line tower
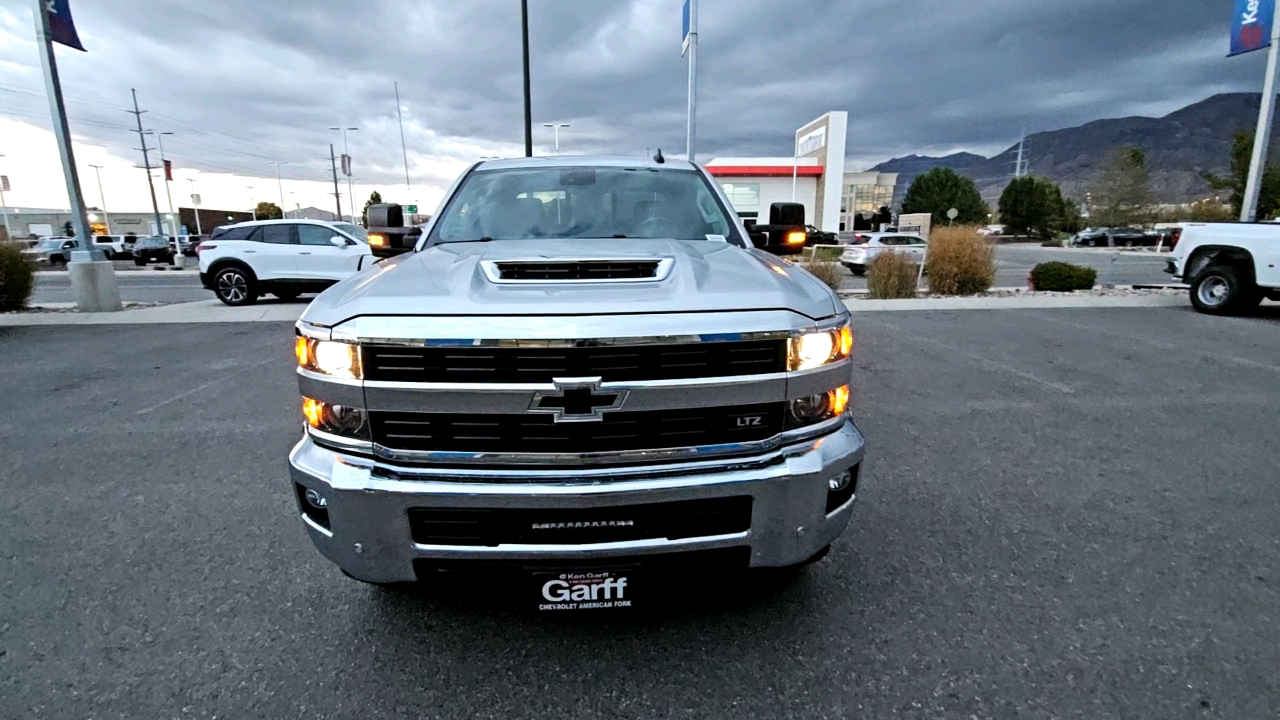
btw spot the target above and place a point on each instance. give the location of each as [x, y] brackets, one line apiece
[146, 160]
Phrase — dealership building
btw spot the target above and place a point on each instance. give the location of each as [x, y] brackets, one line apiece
[815, 177]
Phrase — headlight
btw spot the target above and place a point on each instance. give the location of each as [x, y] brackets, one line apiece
[818, 408]
[329, 358]
[347, 422]
[821, 348]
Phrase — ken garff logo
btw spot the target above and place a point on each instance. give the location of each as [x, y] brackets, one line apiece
[578, 400]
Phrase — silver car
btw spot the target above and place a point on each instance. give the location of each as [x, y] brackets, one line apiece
[584, 368]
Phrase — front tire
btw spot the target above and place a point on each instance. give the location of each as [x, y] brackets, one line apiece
[140, 262]
[234, 286]
[1224, 290]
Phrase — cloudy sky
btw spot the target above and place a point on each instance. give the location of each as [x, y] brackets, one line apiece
[242, 83]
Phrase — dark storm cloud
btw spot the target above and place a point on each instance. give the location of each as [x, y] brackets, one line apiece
[243, 82]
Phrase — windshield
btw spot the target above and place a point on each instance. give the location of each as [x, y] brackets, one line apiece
[354, 231]
[50, 244]
[584, 202]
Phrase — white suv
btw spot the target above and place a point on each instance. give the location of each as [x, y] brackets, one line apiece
[864, 247]
[283, 257]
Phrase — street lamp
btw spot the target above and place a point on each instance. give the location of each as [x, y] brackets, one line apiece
[346, 152]
[556, 127]
[195, 203]
[101, 196]
[253, 206]
[279, 184]
[164, 166]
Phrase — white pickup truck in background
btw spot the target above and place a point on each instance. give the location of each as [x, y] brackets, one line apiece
[1231, 267]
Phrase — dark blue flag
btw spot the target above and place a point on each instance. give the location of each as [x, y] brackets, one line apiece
[1251, 25]
[62, 29]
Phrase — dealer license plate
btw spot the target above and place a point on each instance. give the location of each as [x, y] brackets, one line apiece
[585, 590]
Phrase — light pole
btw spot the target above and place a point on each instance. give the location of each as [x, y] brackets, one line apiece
[164, 164]
[556, 127]
[253, 206]
[346, 152]
[195, 203]
[4, 204]
[279, 185]
[97, 172]
[528, 102]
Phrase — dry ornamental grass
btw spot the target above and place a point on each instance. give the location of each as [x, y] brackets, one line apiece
[960, 262]
[892, 276]
[828, 272]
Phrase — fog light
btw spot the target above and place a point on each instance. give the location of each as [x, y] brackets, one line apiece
[317, 501]
[841, 489]
[814, 407]
[835, 484]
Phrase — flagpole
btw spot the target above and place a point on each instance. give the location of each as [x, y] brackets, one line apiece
[692, 130]
[93, 278]
[1262, 139]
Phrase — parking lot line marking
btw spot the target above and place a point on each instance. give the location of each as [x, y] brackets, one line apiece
[995, 364]
[197, 389]
[1244, 362]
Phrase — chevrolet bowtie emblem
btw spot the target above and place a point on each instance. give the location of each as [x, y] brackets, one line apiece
[578, 400]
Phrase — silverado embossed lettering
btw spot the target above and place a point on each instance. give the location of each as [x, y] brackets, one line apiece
[585, 364]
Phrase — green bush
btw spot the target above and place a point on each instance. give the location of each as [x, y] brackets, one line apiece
[17, 279]
[892, 276]
[1062, 277]
[960, 262]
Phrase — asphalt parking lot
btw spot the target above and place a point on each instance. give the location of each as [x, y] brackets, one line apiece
[1065, 514]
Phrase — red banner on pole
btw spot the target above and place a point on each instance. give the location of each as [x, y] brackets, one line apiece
[168, 170]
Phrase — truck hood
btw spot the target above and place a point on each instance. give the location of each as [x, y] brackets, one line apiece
[448, 280]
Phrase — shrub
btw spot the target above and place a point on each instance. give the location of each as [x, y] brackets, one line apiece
[1062, 277]
[17, 279]
[892, 276]
[960, 262]
[827, 272]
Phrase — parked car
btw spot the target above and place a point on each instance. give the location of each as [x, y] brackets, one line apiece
[992, 231]
[1231, 267]
[283, 257]
[52, 251]
[185, 244]
[601, 394]
[112, 246]
[814, 236]
[866, 246]
[152, 248]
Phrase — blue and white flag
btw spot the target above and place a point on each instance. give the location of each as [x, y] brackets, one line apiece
[1251, 25]
[62, 29]
[684, 48]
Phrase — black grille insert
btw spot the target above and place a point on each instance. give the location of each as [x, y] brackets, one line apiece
[538, 433]
[613, 363]
[579, 270]
[493, 527]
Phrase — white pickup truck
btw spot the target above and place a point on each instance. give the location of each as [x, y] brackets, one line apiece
[1231, 267]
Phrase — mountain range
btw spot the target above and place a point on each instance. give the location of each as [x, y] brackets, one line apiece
[1180, 148]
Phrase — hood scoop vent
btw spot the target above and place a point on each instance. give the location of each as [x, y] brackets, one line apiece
[544, 271]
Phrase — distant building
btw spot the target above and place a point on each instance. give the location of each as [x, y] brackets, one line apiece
[813, 177]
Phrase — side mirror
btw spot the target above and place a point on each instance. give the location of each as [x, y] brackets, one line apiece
[759, 239]
[338, 241]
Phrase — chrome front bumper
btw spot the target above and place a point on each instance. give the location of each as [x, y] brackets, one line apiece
[368, 504]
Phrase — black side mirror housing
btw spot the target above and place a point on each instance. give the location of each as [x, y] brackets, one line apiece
[785, 234]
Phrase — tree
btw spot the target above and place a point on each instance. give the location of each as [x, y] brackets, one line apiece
[1241, 157]
[68, 230]
[941, 189]
[268, 211]
[1031, 205]
[375, 198]
[1122, 191]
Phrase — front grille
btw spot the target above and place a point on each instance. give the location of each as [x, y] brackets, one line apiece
[493, 527]
[539, 433]
[579, 270]
[700, 562]
[540, 365]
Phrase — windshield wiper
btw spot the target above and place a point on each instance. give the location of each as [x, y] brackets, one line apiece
[464, 242]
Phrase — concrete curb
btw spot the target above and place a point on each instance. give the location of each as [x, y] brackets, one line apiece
[204, 311]
[128, 273]
[212, 311]
[1028, 302]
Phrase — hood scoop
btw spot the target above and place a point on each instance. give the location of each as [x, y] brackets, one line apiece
[593, 270]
